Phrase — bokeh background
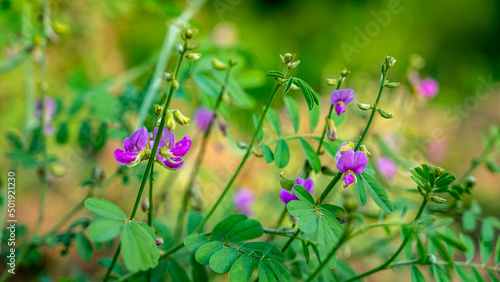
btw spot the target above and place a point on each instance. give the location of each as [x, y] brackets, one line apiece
[456, 44]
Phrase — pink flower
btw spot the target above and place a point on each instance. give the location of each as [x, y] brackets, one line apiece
[203, 117]
[387, 167]
[287, 196]
[340, 98]
[243, 201]
[350, 164]
[428, 88]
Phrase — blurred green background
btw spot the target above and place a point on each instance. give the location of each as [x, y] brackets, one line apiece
[458, 41]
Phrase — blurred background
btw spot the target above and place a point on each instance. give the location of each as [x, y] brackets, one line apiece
[105, 52]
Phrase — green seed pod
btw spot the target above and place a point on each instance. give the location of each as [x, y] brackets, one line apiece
[57, 170]
[180, 118]
[193, 56]
[364, 107]
[392, 84]
[218, 65]
[385, 114]
[286, 182]
[437, 200]
[170, 122]
[331, 81]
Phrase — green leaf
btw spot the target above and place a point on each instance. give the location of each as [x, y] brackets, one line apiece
[83, 246]
[326, 241]
[463, 274]
[299, 208]
[222, 260]
[246, 230]
[308, 223]
[334, 211]
[199, 271]
[485, 249]
[311, 156]
[477, 276]
[62, 133]
[195, 241]
[85, 135]
[103, 230]
[265, 272]
[260, 247]
[492, 166]
[255, 119]
[267, 153]
[241, 269]
[224, 226]
[492, 276]
[163, 232]
[288, 85]
[281, 154]
[439, 274]
[293, 111]
[194, 219]
[360, 192]
[105, 209]
[14, 140]
[378, 193]
[469, 221]
[274, 120]
[280, 271]
[204, 252]
[416, 275]
[309, 94]
[176, 271]
[497, 251]
[314, 116]
[487, 230]
[331, 147]
[469, 244]
[303, 194]
[138, 247]
[275, 73]
[101, 136]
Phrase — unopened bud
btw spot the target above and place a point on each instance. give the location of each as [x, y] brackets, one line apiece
[365, 150]
[385, 114]
[167, 76]
[293, 64]
[421, 191]
[98, 174]
[287, 58]
[294, 87]
[175, 84]
[257, 153]
[470, 182]
[438, 171]
[331, 130]
[348, 146]
[241, 145]
[193, 47]
[345, 73]
[157, 109]
[364, 107]
[286, 182]
[60, 28]
[57, 170]
[232, 62]
[218, 65]
[193, 56]
[145, 204]
[431, 259]
[222, 125]
[437, 200]
[392, 84]
[331, 81]
[43, 86]
[188, 33]
[180, 118]
[388, 63]
[158, 241]
[179, 47]
[170, 122]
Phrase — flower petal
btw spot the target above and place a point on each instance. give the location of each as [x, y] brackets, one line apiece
[309, 185]
[125, 158]
[338, 154]
[136, 142]
[359, 163]
[348, 179]
[339, 109]
[178, 162]
[346, 160]
[286, 197]
[203, 117]
[347, 96]
[299, 181]
[182, 147]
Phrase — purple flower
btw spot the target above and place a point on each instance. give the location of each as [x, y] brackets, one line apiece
[387, 167]
[351, 163]
[340, 98]
[169, 152]
[243, 201]
[287, 196]
[50, 112]
[203, 117]
[428, 88]
[134, 148]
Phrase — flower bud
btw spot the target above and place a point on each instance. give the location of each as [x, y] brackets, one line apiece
[331, 130]
[348, 146]
[431, 259]
[43, 86]
[193, 47]
[188, 33]
[57, 170]
[331, 81]
[241, 145]
[293, 64]
[98, 174]
[158, 241]
[388, 63]
[167, 76]
[287, 58]
[145, 204]
[222, 125]
[392, 84]
[365, 150]
[438, 171]
[385, 114]
[157, 109]
[170, 122]
[257, 153]
[218, 65]
[345, 73]
[232, 62]
[180, 118]
[470, 182]
[60, 28]
[179, 47]
[364, 107]
[421, 191]
[437, 200]
[286, 182]
[175, 84]
[294, 87]
[193, 56]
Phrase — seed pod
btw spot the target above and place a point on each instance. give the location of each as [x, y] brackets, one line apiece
[437, 200]
[218, 65]
[193, 56]
[392, 84]
[364, 107]
[385, 114]
[57, 170]
[331, 81]
[331, 130]
[286, 182]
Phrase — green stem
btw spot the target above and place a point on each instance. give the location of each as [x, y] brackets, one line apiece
[288, 138]
[28, 73]
[374, 109]
[285, 233]
[189, 189]
[150, 210]
[361, 231]
[475, 163]
[329, 188]
[113, 262]
[153, 151]
[398, 251]
[245, 157]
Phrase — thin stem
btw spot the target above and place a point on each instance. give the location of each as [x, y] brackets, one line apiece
[245, 157]
[285, 233]
[289, 242]
[475, 163]
[329, 188]
[28, 73]
[288, 138]
[361, 231]
[153, 151]
[189, 189]
[374, 109]
[113, 262]
[150, 210]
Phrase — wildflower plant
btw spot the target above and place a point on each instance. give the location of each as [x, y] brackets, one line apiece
[319, 221]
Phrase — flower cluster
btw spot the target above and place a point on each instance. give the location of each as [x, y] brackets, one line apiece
[138, 147]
